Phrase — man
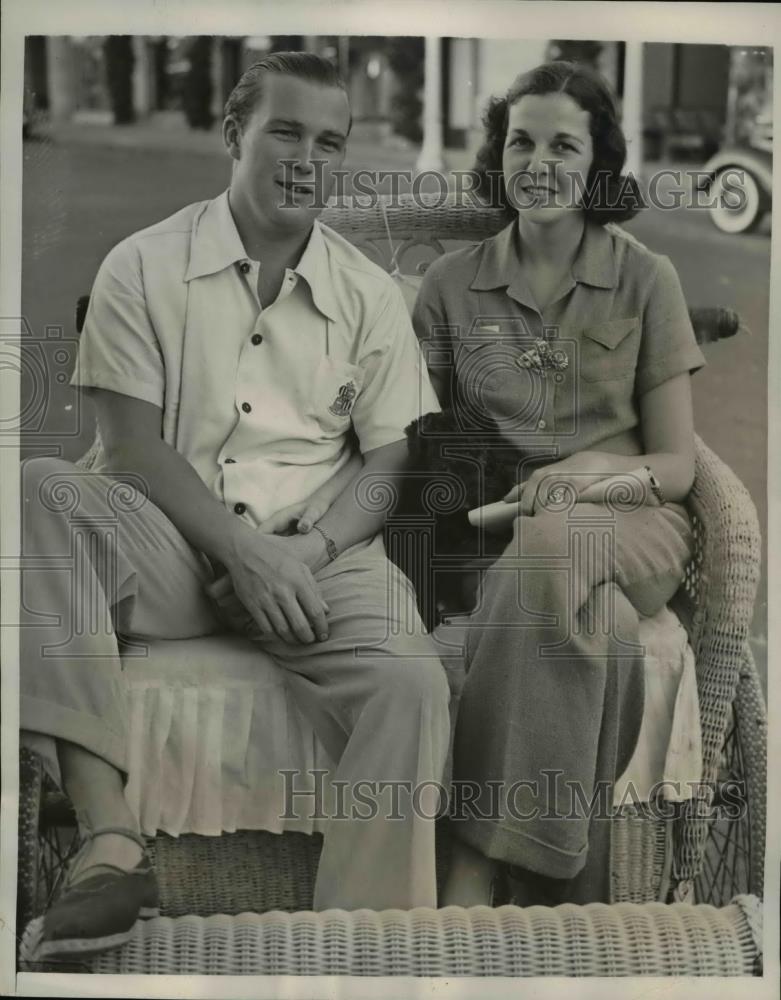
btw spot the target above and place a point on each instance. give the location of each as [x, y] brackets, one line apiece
[231, 352]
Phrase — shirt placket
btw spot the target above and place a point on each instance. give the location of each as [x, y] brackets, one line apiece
[249, 407]
[545, 418]
[546, 422]
[555, 378]
[246, 405]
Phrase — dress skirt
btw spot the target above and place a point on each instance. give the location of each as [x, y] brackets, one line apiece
[553, 699]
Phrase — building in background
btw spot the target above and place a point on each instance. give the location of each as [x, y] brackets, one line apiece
[692, 98]
[68, 75]
[679, 100]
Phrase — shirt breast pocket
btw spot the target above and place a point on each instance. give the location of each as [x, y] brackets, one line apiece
[336, 387]
[609, 351]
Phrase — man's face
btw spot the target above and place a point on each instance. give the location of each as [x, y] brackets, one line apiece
[297, 121]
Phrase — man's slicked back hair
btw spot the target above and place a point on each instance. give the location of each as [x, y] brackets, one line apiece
[244, 97]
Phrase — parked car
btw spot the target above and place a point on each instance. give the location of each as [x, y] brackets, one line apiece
[739, 180]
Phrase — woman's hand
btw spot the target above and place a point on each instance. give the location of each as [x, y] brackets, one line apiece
[625, 490]
[299, 517]
[296, 517]
[555, 483]
[667, 431]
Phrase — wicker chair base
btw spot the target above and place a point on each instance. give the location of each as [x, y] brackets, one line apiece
[251, 871]
[626, 939]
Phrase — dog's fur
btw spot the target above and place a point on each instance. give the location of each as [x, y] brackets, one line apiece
[439, 446]
[443, 454]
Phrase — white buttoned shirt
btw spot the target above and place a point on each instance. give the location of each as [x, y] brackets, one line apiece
[260, 399]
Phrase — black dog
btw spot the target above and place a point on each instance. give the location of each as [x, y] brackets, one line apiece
[451, 471]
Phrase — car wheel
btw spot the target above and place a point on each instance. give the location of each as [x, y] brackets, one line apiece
[735, 203]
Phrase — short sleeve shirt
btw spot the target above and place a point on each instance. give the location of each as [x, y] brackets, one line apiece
[567, 379]
[264, 400]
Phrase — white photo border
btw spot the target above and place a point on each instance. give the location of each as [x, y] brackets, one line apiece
[734, 24]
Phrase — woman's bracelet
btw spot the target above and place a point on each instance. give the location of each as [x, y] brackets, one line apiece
[330, 544]
[655, 485]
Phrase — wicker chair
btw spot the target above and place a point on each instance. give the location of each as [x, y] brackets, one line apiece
[223, 899]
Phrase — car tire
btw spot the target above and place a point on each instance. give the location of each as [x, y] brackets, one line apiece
[743, 217]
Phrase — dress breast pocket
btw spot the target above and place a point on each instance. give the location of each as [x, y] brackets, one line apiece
[336, 387]
[609, 351]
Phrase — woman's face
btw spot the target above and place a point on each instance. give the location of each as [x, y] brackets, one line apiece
[547, 156]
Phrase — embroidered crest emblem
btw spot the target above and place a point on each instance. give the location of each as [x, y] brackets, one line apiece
[343, 403]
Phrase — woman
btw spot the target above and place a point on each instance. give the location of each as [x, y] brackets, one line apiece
[572, 343]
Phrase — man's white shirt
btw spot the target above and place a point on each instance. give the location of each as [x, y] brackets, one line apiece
[259, 399]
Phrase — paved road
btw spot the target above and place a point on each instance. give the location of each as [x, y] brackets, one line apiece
[80, 200]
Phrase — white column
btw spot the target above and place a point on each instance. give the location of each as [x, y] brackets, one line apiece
[61, 77]
[344, 57]
[143, 96]
[461, 112]
[218, 98]
[633, 106]
[430, 157]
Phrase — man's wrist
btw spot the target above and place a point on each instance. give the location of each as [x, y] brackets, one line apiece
[233, 541]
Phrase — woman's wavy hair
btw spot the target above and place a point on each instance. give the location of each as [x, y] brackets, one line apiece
[609, 196]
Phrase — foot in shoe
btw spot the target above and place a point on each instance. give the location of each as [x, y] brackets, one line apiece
[106, 853]
[99, 905]
[529, 888]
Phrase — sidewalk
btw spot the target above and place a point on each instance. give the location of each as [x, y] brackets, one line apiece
[371, 144]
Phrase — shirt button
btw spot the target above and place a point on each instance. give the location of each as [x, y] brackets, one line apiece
[239, 507]
[542, 425]
[230, 461]
[257, 339]
[246, 407]
[244, 267]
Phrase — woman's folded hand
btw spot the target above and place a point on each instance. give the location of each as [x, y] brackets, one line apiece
[622, 490]
[559, 484]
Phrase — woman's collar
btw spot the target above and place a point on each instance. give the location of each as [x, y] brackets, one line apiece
[594, 263]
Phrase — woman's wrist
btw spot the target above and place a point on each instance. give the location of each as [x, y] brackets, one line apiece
[654, 485]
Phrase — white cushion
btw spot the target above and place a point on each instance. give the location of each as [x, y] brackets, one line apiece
[212, 723]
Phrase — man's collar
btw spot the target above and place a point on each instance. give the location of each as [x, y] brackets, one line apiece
[313, 267]
[594, 263]
[215, 244]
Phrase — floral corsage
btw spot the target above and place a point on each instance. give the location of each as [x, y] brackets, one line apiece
[543, 358]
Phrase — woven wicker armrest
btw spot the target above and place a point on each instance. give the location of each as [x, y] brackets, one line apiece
[652, 939]
[722, 586]
[716, 603]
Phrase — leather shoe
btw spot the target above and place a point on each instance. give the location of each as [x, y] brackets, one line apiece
[100, 911]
